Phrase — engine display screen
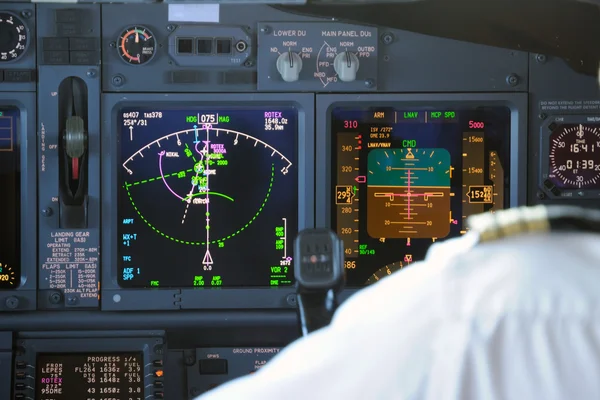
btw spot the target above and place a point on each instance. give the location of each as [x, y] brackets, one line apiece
[10, 267]
[115, 376]
[208, 197]
[404, 178]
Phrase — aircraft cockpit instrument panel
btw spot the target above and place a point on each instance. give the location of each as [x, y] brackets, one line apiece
[157, 161]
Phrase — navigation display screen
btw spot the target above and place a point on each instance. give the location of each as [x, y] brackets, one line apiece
[208, 197]
[10, 205]
[114, 376]
[404, 178]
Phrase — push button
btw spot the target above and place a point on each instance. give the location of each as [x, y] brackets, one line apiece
[20, 386]
[157, 363]
[21, 364]
[213, 367]
[158, 385]
[159, 395]
[20, 375]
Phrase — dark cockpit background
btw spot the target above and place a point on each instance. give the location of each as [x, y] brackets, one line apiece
[158, 159]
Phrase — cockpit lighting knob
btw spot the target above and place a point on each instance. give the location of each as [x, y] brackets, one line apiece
[346, 66]
[289, 66]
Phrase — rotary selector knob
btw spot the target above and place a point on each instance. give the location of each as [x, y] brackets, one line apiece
[289, 66]
[346, 66]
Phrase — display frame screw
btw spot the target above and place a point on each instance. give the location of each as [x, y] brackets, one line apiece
[512, 80]
[113, 45]
[291, 300]
[542, 116]
[541, 58]
[47, 212]
[171, 27]
[55, 298]
[266, 30]
[118, 80]
[12, 303]
[369, 83]
[540, 195]
[91, 73]
[72, 300]
[387, 38]
[26, 14]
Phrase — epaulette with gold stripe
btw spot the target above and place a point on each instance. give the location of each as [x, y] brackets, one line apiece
[537, 219]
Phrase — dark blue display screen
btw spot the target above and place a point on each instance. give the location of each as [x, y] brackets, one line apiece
[208, 197]
[10, 204]
[403, 178]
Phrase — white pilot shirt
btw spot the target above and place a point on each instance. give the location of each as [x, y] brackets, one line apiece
[514, 319]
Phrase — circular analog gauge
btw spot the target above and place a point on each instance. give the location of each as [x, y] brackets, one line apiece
[384, 272]
[137, 45]
[575, 156]
[8, 278]
[14, 37]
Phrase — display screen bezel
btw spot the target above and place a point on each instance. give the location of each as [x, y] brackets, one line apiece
[116, 298]
[26, 139]
[516, 103]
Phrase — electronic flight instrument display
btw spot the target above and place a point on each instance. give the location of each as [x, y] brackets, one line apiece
[404, 178]
[10, 267]
[208, 197]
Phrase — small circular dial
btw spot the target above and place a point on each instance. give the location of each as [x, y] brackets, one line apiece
[8, 277]
[575, 156]
[137, 45]
[384, 272]
[14, 37]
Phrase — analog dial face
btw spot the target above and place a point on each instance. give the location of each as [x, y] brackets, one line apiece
[137, 45]
[384, 272]
[575, 156]
[8, 277]
[14, 37]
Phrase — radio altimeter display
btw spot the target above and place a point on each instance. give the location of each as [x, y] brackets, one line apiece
[10, 205]
[404, 178]
[114, 376]
[208, 197]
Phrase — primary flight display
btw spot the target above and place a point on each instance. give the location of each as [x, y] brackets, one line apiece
[403, 178]
[208, 197]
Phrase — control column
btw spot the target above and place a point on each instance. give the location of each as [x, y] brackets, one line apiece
[319, 272]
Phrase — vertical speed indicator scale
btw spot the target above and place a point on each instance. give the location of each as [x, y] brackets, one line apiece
[346, 189]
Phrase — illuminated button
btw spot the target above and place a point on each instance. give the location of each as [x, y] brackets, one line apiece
[159, 395]
[213, 367]
[157, 363]
[158, 385]
[20, 386]
[19, 396]
[159, 373]
[20, 375]
[21, 364]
